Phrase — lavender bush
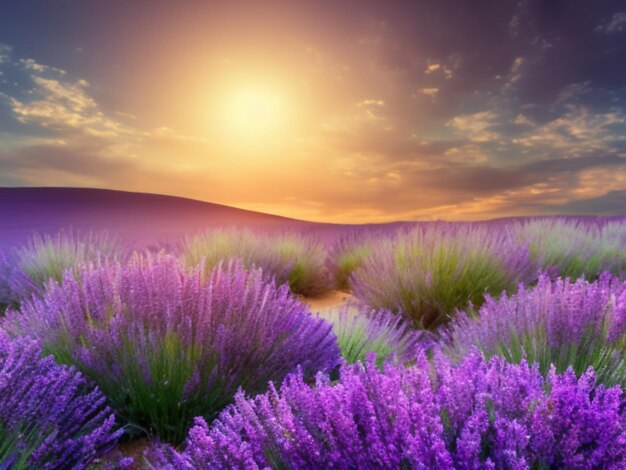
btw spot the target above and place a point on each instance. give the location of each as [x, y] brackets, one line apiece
[166, 345]
[575, 247]
[565, 323]
[476, 415]
[50, 417]
[289, 258]
[361, 330]
[348, 254]
[428, 273]
[47, 257]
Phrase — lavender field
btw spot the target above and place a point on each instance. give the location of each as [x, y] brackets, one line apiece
[495, 344]
[311, 235]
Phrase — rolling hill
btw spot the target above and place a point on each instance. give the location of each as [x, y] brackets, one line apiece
[128, 215]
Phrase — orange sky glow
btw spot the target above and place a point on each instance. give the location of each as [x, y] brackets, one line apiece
[355, 112]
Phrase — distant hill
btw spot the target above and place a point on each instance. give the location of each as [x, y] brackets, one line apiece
[133, 216]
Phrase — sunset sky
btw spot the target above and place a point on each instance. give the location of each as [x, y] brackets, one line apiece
[341, 111]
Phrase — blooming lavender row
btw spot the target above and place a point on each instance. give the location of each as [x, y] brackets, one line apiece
[165, 344]
[50, 418]
[478, 414]
[562, 323]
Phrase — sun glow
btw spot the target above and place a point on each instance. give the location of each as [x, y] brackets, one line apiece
[252, 114]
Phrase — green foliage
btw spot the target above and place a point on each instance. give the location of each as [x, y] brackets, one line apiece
[430, 272]
[361, 330]
[289, 258]
[347, 261]
[47, 257]
[574, 248]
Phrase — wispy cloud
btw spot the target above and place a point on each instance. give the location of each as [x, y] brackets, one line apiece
[56, 102]
[477, 127]
[5, 53]
[577, 132]
[613, 25]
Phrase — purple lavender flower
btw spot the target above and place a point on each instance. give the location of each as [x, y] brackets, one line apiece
[166, 345]
[565, 323]
[50, 417]
[477, 414]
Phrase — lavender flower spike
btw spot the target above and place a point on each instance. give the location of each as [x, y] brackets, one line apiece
[50, 417]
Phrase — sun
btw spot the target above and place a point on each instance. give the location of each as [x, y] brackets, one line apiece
[253, 113]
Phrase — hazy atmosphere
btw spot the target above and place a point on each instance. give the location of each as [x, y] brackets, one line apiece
[345, 111]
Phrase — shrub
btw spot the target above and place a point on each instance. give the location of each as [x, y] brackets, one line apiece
[50, 417]
[361, 330]
[346, 256]
[165, 345]
[428, 273]
[476, 415]
[565, 323]
[574, 247]
[47, 257]
[289, 258]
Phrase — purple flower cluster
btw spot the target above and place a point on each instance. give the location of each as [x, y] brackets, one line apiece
[562, 323]
[50, 417]
[479, 414]
[166, 345]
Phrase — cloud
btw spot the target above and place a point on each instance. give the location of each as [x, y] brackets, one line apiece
[573, 91]
[515, 74]
[31, 64]
[576, 132]
[5, 53]
[615, 24]
[430, 92]
[370, 102]
[611, 203]
[55, 102]
[477, 127]
[437, 68]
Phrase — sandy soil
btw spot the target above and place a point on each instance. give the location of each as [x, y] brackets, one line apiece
[329, 300]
